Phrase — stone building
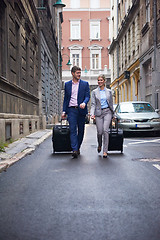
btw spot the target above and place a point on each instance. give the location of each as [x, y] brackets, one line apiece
[29, 83]
[50, 85]
[125, 50]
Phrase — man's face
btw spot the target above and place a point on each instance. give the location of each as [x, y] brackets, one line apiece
[76, 75]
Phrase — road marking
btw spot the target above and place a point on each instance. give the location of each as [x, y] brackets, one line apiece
[144, 141]
[156, 166]
[147, 159]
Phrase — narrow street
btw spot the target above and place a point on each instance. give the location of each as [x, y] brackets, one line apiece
[54, 197]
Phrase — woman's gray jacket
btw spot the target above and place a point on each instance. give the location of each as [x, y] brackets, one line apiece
[96, 101]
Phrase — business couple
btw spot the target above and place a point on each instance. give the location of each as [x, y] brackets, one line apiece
[76, 97]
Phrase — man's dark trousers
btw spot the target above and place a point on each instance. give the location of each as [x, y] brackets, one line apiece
[76, 125]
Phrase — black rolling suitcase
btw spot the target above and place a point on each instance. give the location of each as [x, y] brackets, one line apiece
[115, 138]
[61, 138]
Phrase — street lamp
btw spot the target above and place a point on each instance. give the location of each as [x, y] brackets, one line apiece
[59, 5]
[61, 60]
[85, 70]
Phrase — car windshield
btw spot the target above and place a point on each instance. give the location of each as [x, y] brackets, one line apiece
[135, 108]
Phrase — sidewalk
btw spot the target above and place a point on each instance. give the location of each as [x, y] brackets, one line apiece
[20, 148]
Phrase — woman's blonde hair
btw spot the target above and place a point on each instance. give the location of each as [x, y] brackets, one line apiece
[101, 76]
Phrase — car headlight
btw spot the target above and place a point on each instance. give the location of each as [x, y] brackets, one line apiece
[124, 120]
[155, 120]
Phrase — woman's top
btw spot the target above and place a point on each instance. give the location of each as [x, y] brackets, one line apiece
[104, 103]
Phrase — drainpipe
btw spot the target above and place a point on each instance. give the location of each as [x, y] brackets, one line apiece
[155, 92]
[155, 32]
[117, 54]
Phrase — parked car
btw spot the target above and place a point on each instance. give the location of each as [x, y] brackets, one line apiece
[114, 106]
[137, 116]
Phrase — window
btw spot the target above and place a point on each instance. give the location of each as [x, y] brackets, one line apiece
[133, 38]
[113, 27]
[75, 3]
[76, 55]
[18, 57]
[148, 80]
[75, 30]
[95, 61]
[126, 6]
[129, 44]
[94, 4]
[3, 42]
[95, 57]
[147, 10]
[75, 59]
[95, 30]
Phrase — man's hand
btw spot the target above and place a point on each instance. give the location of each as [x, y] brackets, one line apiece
[63, 115]
[82, 105]
[92, 116]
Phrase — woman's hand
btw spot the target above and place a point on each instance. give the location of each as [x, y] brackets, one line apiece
[92, 116]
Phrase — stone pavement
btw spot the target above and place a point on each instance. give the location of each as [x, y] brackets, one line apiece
[20, 148]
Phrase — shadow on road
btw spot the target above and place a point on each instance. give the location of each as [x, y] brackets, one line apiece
[141, 134]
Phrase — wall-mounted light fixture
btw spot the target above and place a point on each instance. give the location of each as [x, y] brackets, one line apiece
[85, 70]
[59, 4]
[61, 60]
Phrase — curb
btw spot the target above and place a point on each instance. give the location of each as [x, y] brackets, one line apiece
[18, 156]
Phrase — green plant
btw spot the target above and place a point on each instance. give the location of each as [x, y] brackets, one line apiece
[5, 144]
[2, 147]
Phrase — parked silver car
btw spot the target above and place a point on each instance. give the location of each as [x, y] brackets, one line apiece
[137, 116]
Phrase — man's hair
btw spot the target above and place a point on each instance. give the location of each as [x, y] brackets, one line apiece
[75, 68]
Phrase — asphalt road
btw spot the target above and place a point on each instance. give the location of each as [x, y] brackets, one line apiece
[55, 197]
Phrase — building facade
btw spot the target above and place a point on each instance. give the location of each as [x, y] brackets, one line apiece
[134, 50]
[85, 39]
[29, 81]
[50, 84]
[150, 51]
[125, 50]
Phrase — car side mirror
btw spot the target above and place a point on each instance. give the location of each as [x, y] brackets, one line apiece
[157, 110]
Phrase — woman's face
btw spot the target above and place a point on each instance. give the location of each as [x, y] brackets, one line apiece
[101, 82]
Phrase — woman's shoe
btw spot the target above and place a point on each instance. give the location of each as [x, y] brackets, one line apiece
[99, 149]
[104, 155]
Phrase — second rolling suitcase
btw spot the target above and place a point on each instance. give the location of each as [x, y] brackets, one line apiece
[61, 138]
[115, 138]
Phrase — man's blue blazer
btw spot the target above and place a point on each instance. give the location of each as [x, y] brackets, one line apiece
[83, 96]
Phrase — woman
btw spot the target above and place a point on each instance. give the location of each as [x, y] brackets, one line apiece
[102, 111]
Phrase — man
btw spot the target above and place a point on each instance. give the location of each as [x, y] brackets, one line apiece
[77, 95]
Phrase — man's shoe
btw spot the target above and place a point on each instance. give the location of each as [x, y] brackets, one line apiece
[99, 149]
[75, 154]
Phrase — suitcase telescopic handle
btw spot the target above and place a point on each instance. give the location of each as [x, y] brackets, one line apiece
[116, 124]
